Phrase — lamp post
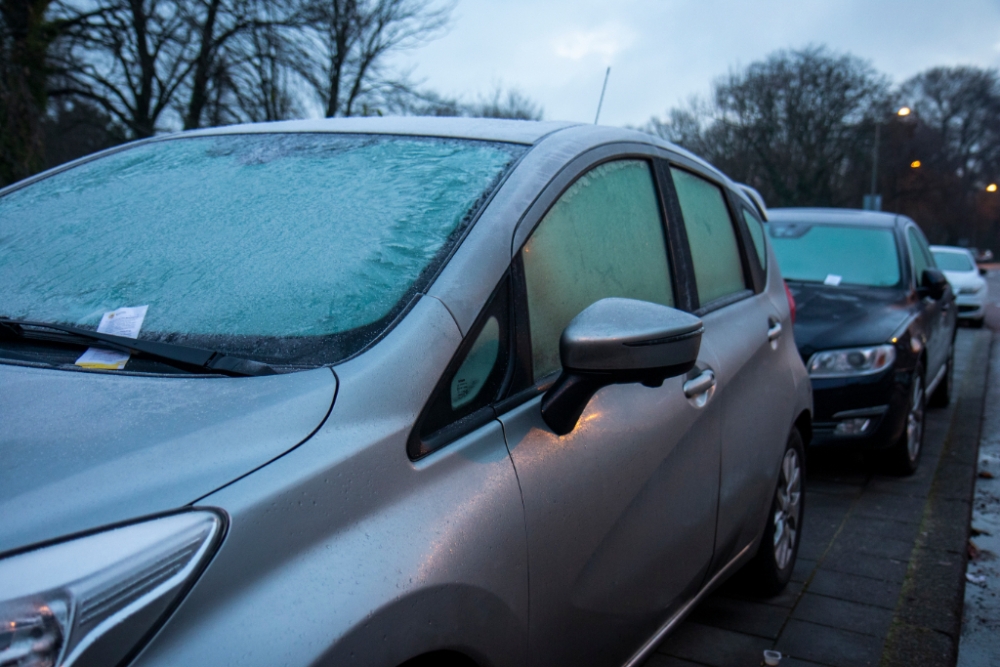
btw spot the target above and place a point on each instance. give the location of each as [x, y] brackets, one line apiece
[873, 201]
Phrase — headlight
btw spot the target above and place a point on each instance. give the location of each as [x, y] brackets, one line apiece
[853, 361]
[971, 290]
[89, 601]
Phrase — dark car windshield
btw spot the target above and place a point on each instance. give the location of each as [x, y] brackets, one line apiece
[294, 248]
[836, 254]
[952, 261]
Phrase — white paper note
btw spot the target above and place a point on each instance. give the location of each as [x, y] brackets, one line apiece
[122, 322]
[832, 279]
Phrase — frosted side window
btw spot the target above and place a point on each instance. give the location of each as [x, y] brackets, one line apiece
[477, 366]
[920, 260]
[757, 234]
[602, 238]
[717, 267]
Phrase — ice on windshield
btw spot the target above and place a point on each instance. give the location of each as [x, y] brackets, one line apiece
[855, 255]
[953, 261]
[259, 235]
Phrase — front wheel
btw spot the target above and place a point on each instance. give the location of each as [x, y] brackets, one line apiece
[771, 568]
[904, 455]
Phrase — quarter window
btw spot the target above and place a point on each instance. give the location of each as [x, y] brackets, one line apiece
[757, 234]
[921, 255]
[717, 266]
[604, 237]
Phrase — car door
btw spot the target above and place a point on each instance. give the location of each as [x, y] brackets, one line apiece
[937, 313]
[620, 513]
[746, 331]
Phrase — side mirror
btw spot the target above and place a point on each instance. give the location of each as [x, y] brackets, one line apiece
[982, 271]
[933, 283]
[618, 341]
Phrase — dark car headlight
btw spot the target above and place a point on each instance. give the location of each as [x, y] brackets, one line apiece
[91, 600]
[851, 361]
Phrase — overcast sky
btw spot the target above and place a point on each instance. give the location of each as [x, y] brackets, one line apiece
[663, 51]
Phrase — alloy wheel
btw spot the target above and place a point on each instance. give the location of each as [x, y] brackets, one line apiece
[788, 511]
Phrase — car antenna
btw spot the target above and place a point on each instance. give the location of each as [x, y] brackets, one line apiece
[603, 88]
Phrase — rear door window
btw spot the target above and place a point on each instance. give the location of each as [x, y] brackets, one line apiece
[718, 269]
[921, 254]
[756, 228]
[604, 237]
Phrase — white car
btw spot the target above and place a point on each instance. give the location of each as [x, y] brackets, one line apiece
[966, 279]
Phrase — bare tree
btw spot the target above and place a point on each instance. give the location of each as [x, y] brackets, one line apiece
[25, 37]
[509, 103]
[352, 39]
[130, 57]
[798, 126]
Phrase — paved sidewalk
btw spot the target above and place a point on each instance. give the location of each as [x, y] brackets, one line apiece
[881, 557]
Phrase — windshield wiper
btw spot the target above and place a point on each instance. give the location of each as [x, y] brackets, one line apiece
[192, 358]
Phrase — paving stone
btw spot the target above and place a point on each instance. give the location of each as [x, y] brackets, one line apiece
[887, 528]
[851, 543]
[661, 660]
[955, 481]
[795, 662]
[786, 598]
[856, 617]
[909, 646]
[851, 587]
[932, 597]
[713, 646]
[891, 506]
[752, 618]
[875, 567]
[829, 646]
[804, 567]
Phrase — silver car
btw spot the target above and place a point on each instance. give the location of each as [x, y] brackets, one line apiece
[387, 391]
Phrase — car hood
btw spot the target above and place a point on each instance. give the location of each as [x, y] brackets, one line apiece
[83, 450]
[964, 278]
[834, 317]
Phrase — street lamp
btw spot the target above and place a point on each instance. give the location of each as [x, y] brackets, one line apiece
[992, 187]
[915, 164]
[873, 201]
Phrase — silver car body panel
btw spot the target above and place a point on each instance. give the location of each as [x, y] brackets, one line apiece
[344, 551]
[82, 450]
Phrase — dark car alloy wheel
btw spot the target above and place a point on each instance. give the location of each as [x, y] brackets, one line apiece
[904, 455]
[771, 568]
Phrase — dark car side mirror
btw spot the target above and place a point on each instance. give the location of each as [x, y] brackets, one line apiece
[982, 271]
[618, 341]
[933, 283]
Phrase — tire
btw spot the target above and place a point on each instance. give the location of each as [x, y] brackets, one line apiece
[942, 395]
[904, 455]
[977, 323]
[771, 568]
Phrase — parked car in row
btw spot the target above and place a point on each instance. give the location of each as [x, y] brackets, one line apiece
[966, 280]
[326, 392]
[875, 324]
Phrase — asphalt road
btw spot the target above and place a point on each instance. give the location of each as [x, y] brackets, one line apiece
[881, 570]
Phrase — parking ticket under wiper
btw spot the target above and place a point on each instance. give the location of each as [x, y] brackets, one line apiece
[183, 355]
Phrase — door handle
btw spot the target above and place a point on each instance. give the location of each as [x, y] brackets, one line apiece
[699, 385]
[774, 330]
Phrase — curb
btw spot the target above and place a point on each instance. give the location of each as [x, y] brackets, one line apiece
[927, 622]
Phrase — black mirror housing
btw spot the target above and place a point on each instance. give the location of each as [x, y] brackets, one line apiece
[618, 341]
[982, 271]
[933, 283]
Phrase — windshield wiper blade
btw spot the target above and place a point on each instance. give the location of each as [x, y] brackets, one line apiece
[191, 357]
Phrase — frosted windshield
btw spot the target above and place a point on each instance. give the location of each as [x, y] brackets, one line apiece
[242, 236]
[834, 254]
[953, 261]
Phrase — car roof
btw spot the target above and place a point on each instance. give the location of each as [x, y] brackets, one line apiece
[487, 129]
[836, 216]
[951, 248]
